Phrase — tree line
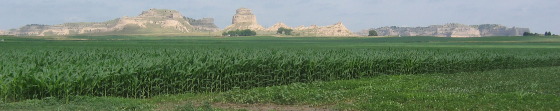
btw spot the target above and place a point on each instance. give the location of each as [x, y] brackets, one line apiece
[284, 31]
[246, 32]
[372, 33]
[548, 33]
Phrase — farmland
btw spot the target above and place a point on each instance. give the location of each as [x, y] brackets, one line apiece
[138, 67]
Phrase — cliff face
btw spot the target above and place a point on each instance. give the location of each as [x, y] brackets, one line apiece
[206, 24]
[452, 30]
[244, 19]
[499, 30]
[455, 30]
[337, 29]
[150, 21]
[161, 21]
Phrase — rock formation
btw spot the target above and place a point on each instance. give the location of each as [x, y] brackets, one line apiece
[244, 19]
[163, 21]
[337, 29]
[452, 30]
[499, 30]
[203, 24]
[276, 26]
[150, 21]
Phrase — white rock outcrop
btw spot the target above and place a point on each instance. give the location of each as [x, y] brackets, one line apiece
[276, 26]
[452, 30]
[337, 29]
[150, 21]
[170, 21]
[245, 19]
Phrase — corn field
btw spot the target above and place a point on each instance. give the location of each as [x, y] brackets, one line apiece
[140, 72]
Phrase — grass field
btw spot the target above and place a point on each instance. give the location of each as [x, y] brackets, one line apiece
[166, 73]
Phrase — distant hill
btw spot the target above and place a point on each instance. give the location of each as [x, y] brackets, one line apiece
[167, 22]
[153, 21]
[452, 30]
[172, 22]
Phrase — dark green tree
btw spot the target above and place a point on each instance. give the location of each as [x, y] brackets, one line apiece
[526, 33]
[246, 32]
[531, 34]
[372, 33]
[234, 33]
[285, 31]
[547, 34]
[280, 30]
[288, 31]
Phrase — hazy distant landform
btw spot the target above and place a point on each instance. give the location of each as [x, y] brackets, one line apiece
[453, 30]
[164, 21]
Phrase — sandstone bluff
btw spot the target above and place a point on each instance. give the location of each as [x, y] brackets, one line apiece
[452, 30]
[245, 19]
[164, 21]
[150, 21]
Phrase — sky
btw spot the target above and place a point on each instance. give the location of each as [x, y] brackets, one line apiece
[538, 15]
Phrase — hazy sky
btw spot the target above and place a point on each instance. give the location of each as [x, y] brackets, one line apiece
[539, 15]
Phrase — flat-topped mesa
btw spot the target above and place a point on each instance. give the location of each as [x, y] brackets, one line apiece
[452, 30]
[457, 30]
[244, 15]
[244, 19]
[161, 13]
